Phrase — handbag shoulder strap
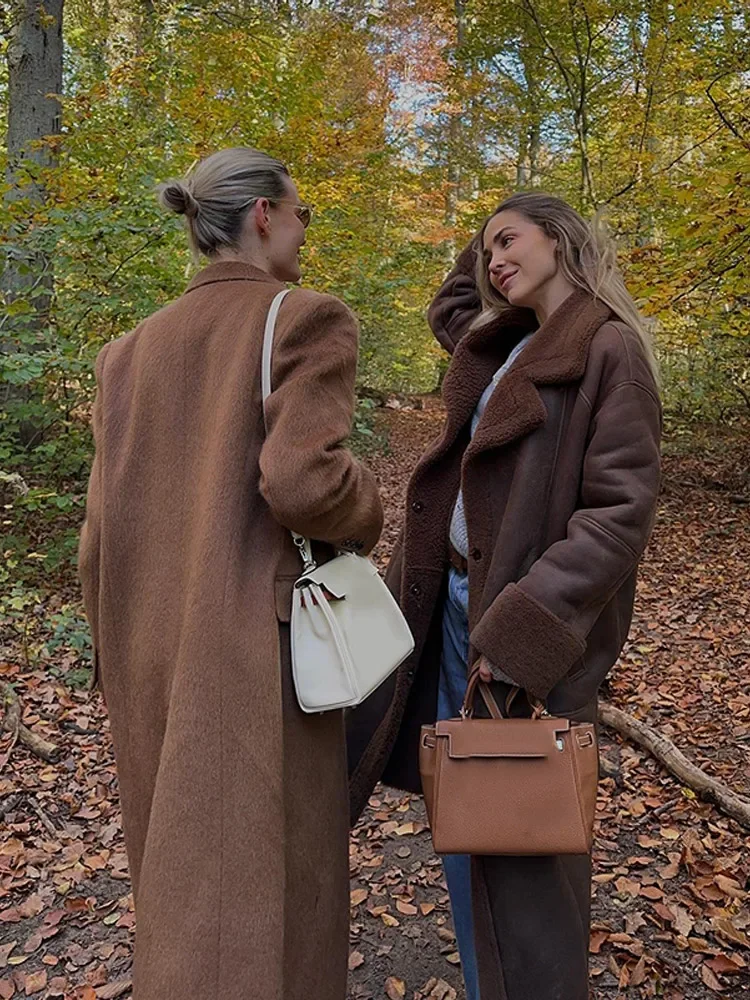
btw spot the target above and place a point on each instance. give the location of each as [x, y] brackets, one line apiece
[273, 312]
[303, 544]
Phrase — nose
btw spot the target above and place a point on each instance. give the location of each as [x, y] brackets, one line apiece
[497, 262]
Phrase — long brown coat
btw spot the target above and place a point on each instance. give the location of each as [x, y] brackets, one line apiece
[560, 484]
[234, 802]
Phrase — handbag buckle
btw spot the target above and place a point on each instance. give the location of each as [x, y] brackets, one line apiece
[584, 739]
[429, 741]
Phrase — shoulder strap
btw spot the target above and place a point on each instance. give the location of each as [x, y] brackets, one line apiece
[303, 544]
[273, 312]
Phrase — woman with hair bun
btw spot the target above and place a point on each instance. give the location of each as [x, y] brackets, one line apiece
[234, 801]
[525, 523]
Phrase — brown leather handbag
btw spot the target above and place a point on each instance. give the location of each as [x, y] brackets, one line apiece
[509, 786]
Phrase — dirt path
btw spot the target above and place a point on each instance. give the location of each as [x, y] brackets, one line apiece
[671, 915]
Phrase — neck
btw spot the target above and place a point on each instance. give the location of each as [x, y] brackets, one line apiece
[243, 255]
[552, 296]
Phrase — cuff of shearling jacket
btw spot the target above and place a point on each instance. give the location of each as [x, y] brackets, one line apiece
[526, 641]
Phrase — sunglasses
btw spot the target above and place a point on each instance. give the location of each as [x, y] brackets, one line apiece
[303, 212]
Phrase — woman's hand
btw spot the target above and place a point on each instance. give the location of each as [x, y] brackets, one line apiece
[484, 669]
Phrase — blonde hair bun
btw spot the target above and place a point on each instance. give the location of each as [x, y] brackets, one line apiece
[177, 197]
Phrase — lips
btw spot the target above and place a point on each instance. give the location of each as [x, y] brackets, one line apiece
[506, 278]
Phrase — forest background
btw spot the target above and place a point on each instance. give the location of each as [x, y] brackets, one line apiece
[404, 124]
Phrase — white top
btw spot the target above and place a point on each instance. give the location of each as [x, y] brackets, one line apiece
[459, 534]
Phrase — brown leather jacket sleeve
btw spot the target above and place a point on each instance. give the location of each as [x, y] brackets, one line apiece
[310, 480]
[457, 302]
[537, 628]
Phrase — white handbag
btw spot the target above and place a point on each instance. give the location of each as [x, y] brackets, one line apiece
[347, 632]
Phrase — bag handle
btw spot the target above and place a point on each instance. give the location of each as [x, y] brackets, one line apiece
[476, 683]
[303, 544]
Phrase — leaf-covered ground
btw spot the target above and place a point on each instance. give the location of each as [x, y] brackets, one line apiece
[672, 880]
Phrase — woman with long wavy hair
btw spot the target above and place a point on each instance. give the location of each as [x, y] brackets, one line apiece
[524, 526]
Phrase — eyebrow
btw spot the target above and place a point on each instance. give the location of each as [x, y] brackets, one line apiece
[499, 235]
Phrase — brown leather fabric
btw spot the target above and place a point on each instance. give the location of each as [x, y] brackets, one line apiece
[535, 778]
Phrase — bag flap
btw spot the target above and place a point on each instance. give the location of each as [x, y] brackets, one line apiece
[501, 737]
[341, 573]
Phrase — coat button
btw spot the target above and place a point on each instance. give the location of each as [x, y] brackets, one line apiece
[476, 554]
[415, 590]
[417, 506]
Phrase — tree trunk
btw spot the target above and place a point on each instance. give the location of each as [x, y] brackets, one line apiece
[35, 63]
[453, 171]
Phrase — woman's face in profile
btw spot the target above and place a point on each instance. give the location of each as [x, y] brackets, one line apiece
[287, 234]
[521, 258]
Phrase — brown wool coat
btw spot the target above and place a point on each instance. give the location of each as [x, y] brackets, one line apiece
[560, 484]
[234, 802]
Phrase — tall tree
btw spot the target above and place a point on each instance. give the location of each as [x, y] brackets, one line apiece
[35, 69]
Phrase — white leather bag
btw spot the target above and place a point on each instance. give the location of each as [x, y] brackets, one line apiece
[347, 632]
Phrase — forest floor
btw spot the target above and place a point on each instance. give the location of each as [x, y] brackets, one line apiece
[671, 913]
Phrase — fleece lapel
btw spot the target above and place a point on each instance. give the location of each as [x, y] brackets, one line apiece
[556, 354]
[476, 359]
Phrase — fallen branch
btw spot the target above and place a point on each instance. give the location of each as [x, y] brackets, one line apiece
[12, 724]
[664, 750]
[9, 803]
[46, 822]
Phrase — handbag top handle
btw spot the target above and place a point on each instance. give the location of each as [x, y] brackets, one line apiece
[475, 683]
[303, 544]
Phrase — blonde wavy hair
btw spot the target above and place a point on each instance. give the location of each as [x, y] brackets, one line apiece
[587, 257]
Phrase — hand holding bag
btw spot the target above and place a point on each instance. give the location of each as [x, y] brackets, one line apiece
[347, 632]
[509, 786]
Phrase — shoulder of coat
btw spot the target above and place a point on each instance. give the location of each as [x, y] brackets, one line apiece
[618, 356]
[308, 300]
[619, 345]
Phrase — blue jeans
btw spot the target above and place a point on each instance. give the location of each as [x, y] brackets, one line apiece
[451, 690]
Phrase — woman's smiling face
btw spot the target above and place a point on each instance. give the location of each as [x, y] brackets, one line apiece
[522, 259]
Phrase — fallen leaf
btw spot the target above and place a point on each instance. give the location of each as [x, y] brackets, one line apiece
[7, 989]
[726, 929]
[710, 979]
[683, 922]
[426, 908]
[669, 833]
[355, 960]
[597, 940]
[395, 989]
[627, 885]
[638, 975]
[724, 965]
[405, 830]
[406, 908]
[651, 892]
[35, 982]
[114, 990]
[358, 896]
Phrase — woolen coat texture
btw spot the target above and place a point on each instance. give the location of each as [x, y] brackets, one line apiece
[234, 801]
[560, 483]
